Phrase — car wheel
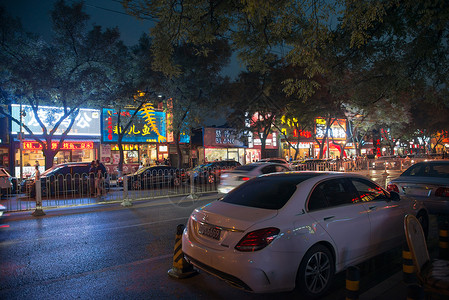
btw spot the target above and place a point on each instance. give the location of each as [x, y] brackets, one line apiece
[423, 219]
[316, 271]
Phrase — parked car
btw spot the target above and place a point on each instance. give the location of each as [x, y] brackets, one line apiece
[210, 172]
[6, 183]
[427, 181]
[231, 179]
[67, 178]
[296, 229]
[154, 176]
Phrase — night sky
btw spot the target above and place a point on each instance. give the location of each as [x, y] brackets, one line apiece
[35, 17]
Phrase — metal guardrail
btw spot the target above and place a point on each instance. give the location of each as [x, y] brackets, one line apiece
[83, 189]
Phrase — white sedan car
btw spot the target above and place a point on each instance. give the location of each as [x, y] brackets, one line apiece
[231, 179]
[296, 229]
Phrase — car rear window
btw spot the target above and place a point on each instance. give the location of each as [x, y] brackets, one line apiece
[271, 192]
[428, 170]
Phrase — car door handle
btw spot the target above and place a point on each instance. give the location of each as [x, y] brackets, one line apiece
[372, 207]
[328, 218]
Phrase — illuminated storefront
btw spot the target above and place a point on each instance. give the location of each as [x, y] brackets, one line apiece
[221, 144]
[145, 141]
[82, 142]
[336, 137]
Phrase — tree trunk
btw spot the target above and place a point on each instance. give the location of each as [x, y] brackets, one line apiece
[49, 156]
[178, 149]
[122, 156]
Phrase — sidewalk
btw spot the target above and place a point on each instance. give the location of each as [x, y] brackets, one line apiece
[391, 288]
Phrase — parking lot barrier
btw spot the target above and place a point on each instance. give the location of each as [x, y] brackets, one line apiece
[443, 240]
[352, 283]
[38, 211]
[181, 268]
[408, 269]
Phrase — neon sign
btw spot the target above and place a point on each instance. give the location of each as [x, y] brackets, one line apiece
[29, 145]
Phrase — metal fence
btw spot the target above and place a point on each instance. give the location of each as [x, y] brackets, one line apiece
[84, 189]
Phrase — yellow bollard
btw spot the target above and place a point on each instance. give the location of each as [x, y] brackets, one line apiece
[443, 240]
[352, 283]
[408, 269]
[181, 268]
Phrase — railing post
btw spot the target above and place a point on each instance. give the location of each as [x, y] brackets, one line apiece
[38, 211]
[192, 194]
[126, 201]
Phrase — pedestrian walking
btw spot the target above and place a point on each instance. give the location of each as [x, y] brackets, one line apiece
[37, 174]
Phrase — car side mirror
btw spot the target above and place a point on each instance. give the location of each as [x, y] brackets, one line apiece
[394, 196]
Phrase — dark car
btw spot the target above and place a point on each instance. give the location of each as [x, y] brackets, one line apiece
[6, 183]
[68, 179]
[153, 177]
[427, 181]
[210, 173]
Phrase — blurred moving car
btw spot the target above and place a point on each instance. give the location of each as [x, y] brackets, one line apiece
[2, 210]
[427, 181]
[154, 176]
[276, 160]
[297, 229]
[210, 172]
[67, 178]
[389, 162]
[6, 183]
[231, 179]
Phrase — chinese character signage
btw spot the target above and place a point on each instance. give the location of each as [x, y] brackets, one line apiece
[148, 126]
[87, 122]
[224, 137]
[31, 145]
[336, 131]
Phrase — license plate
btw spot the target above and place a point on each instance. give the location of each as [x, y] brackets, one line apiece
[209, 231]
[417, 192]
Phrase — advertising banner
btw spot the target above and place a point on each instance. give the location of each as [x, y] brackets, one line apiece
[87, 122]
[222, 137]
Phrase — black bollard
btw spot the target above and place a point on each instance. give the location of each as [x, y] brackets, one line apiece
[443, 240]
[181, 268]
[408, 269]
[352, 283]
[415, 292]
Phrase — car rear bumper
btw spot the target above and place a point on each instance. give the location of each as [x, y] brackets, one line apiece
[252, 271]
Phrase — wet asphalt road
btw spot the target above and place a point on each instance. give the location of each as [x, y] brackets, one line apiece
[108, 252]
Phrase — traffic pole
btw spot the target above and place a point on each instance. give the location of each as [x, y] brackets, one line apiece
[352, 283]
[443, 240]
[408, 269]
[181, 268]
[38, 211]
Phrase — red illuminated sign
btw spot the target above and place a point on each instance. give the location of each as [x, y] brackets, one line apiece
[29, 145]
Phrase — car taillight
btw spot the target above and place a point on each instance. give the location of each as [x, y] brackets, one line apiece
[244, 178]
[442, 192]
[257, 240]
[393, 188]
